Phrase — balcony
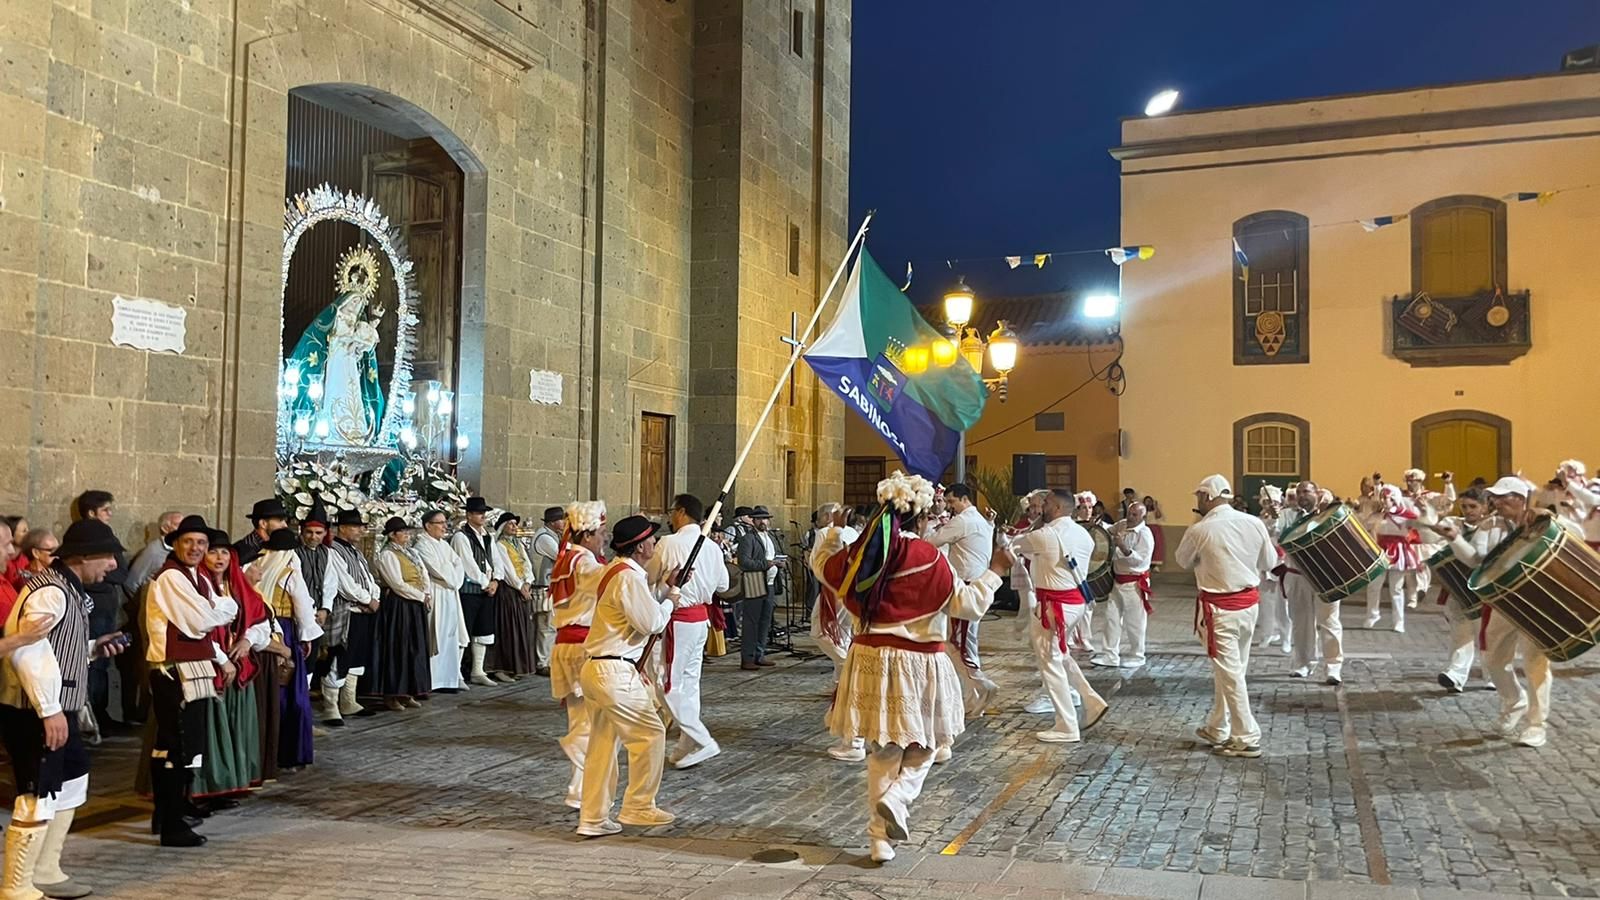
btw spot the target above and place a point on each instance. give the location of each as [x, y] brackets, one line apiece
[1488, 329]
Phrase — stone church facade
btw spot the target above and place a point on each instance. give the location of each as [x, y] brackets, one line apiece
[643, 193]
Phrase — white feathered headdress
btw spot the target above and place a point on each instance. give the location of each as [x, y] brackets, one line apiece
[1417, 474]
[906, 494]
[587, 515]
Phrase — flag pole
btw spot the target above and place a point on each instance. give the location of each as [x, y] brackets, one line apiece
[777, 388]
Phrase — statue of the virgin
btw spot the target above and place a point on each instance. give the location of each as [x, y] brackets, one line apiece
[340, 345]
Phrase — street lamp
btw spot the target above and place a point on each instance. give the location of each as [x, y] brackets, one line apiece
[1161, 103]
[970, 345]
[1100, 306]
[958, 304]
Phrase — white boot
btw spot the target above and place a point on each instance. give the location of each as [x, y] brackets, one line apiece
[478, 675]
[347, 697]
[47, 874]
[330, 702]
[23, 845]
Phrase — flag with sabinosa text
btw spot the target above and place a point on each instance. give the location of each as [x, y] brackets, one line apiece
[878, 355]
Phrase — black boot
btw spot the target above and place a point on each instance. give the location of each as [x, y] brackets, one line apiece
[176, 827]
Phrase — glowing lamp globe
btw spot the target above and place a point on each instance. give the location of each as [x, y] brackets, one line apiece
[944, 353]
[915, 360]
[958, 303]
[1003, 348]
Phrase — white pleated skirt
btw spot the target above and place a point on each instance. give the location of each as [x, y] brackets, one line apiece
[892, 696]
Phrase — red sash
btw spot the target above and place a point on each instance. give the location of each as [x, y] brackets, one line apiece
[961, 637]
[1483, 627]
[572, 634]
[876, 639]
[1142, 579]
[1400, 549]
[697, 613]
[1593, 544]
[1049, 599]
[1207, 602]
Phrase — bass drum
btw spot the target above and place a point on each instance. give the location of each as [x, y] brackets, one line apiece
[1335, 553]
[1101, 577]
[1547, 583]
[1455, 575]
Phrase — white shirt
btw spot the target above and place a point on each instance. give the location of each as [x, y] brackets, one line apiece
[282, 567]
[172, 599]
[469, 563]
[968, 539]
[1141, 547]
[771, 552]
[710, 574]
[627, 614]
[38, 672]
[1585, 509]
[353, 588]
[387, 565]
[579, 608]
[1049, 547]
[1228, 551]
[1473, 543]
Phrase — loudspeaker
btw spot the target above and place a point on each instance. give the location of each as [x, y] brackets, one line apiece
[1027, 473]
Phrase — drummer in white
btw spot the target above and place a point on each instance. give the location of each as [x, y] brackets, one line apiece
[1058, 563]
[1315, 621]
[1126, 611]
[1471, 535]
[1522, 713]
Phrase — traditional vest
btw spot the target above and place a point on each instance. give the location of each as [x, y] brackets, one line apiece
[281, 601]
[543, 564]
[350, 557]
[69, 639]
[181, 647]
[519, 560]
[313, 568]
[480, 555]
[410, 570]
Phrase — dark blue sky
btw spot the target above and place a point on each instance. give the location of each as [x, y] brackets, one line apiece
[979, 128]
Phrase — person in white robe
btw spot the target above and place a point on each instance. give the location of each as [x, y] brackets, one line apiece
[445, 576]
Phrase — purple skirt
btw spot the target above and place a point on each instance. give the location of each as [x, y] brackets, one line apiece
[294, 729]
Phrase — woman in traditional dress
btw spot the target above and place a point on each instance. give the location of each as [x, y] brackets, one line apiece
[574, 584]
[445, 576]
[512, 650]
[898, 689]
[402, 676]
[276, 576]
[232, 761]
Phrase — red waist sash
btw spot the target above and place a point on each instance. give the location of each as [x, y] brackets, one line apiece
[1048, 600]
[1142, 579]
[697, 613]
[874, 639]
[1207, 602]
[572, 634]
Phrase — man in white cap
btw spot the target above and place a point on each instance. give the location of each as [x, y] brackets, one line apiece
[1522, 713]
[1583, 493]
[1058, 557]
[1126, 611]
[1440, 504]
[1229, 552]
[1316, 623]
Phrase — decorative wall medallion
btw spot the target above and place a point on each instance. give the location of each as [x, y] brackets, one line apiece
[1270, 332]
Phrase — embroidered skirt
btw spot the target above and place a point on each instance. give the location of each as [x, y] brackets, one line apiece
[893, 696]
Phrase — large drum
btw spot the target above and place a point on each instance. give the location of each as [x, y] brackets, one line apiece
[1454, 575]
[1101, 577]
[1335, 553]
[1547, 583]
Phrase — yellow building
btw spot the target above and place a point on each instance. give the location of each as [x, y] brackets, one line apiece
[1458, 337]
[1057, 404]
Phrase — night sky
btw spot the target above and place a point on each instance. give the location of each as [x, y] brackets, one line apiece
[980, 129]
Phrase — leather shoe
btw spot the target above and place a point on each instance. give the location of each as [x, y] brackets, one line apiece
[764, 662]
[749, 666]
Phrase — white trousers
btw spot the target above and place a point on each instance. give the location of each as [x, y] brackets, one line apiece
[621, 711]
[1230, 703]
[1400, 587]
[688, 656]
[1275, 614]
[1081, 632]
[544, 639]
[575, 744]
[1317, 629]
[1122, 621]
[894, 772]
[1463, 643]
[1501, 645]
[1060, 671]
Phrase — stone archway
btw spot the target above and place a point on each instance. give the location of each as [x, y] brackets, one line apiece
[373, 85]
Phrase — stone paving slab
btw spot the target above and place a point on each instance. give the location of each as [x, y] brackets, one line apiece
[462, 798]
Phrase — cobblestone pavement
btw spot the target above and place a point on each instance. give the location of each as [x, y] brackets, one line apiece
[1387, 781]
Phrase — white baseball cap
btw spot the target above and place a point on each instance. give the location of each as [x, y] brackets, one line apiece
[1214, 486]
[1509, 485]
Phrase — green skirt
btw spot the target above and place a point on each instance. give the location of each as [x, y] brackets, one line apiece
[233, 745]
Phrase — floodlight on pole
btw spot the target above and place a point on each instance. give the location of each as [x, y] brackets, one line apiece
[1162, 103]
[1100, 306]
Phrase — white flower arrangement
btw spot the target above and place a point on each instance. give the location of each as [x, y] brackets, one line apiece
[306, 481]
[588, 515]
[907, 494]
[435, 487]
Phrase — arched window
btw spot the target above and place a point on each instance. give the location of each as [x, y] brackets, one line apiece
[1271, 289]
[1458, 246]
[1269, 448]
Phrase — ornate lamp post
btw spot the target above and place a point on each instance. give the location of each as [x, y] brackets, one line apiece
[1002, 345]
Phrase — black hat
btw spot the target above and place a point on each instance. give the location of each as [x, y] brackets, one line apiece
[394, 524]
[271, 508]
[477, 504]
[218, 538]
[281, 539]
[88, 537]
[631, 531]
[350, 517]
[760, 512]
[189, 525]
[317, 515]
[507, 516]
[741, 511]
[554, 514]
